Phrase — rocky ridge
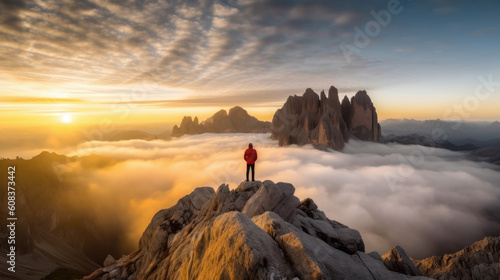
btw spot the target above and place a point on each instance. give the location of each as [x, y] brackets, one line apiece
[480, 260]
[236, 121]
[323, 120]
[259, 230]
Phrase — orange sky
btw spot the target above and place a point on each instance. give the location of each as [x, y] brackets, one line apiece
[89, 61]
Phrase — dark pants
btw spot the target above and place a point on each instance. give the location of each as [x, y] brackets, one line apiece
[253, 171]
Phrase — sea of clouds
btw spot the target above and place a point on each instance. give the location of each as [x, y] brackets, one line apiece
[429, 201]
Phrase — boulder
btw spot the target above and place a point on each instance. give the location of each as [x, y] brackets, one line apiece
[334, 234]
[249, 186]
[278, 198]
[397, 260]
[109, 261]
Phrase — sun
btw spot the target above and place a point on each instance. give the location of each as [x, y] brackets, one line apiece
[66, 118]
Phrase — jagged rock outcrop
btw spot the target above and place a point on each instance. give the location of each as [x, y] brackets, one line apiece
[257, 231]
[397, 260]
[238, 120]
[480, 260]
[324, 121]
[346, 111]
[363, 118]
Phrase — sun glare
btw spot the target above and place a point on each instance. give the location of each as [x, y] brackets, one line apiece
[66, 118]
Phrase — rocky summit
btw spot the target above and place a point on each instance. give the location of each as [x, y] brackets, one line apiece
[259, 230]
[237, 121]
[323, 120]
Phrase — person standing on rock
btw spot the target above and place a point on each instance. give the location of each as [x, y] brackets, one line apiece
[250, 157]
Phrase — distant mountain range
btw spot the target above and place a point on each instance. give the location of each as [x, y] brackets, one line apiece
[237, 121]
[479, 134]
[480, 139]
[309, 118]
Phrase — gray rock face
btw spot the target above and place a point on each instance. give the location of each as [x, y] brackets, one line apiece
[238, 120]
[397, 260]
[314, 259]
[480, 260]
[346, 111]
[278, 198]
[323, 120]
[363, 118]
[314, 222]
[175, 218]
[257, 231]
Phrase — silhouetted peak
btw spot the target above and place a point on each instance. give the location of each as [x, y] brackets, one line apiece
[47, 156]
[237, 121]
[310, 91]
[362, 99]
[346, 100]
[237, 111]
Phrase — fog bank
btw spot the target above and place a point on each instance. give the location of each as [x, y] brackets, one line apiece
[429, 201]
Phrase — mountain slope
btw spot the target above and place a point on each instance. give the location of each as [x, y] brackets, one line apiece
[480, 260]
[52, 230]
[257, 231]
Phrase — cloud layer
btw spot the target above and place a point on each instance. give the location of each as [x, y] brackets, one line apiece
[429, 201]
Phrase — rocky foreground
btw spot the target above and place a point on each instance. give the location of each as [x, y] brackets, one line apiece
[257, 231]
[480, 260]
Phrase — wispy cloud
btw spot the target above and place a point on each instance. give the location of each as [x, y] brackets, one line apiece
[196, 44]
[37, 100]
[222, 48]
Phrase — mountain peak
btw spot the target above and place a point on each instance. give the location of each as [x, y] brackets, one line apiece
[259, 230]
[237, 111]
[324, 121]
[237, 121]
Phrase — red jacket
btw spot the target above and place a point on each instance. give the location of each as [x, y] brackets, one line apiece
[250, 156]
